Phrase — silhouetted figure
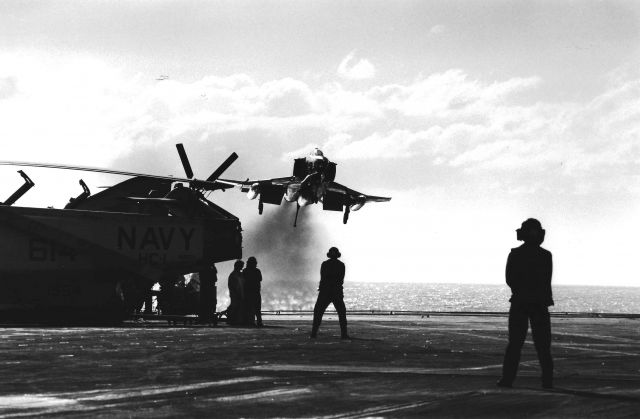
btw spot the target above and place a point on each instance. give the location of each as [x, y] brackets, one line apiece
[192, 295]
[148, 298]
[330, 291]
[236, 309]
[172, 295]
[208, 295]
[165, 298]
[528, 273]
[252, 279]
[142, 294]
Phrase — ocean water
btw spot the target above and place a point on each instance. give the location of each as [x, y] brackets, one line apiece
[442, 297]
[451, 297]
[482, 297]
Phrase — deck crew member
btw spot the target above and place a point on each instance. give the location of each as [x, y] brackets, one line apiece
[331, 291]
[528, 274]
[236, 310]
[252, 280]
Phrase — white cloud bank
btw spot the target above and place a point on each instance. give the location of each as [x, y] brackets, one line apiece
[480, 137]
[351, 69]
[437, 30]
[448, 119]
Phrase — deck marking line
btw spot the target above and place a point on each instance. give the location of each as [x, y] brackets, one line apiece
[367, 413]
[604, 351]
[555, 344]
[602, 337]
[264, 394]
[115, 394]
[34, 401]
[367, 370]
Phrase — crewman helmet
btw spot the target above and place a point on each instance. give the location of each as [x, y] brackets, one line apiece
[333, 253]
[252, 262]
[531, 231]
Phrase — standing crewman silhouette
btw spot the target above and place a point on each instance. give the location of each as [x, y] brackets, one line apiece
[253, 299]
[330, 291]
[236, 312]
[528, 273]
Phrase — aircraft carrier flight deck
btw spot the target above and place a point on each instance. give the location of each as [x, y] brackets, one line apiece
[394, 366]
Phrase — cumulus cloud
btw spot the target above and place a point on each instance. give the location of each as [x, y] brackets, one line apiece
[287, 97]
[62, 104]
[352, 69]
[437, 30]
[448, 120]
[449, 94]
[8, 87]
[444, 140]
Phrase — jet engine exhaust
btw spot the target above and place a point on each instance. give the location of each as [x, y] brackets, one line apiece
[289, 258]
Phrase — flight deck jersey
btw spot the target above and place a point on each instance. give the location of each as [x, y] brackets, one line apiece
[331, 275]
[528, 274]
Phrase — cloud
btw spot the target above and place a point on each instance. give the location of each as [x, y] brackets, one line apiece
[439, 145]
[62, 103]
[437, 30]
[8, 87]
[449, 95]
[360, 70]
[396, 144]
[77, 108]
[299, 152]
[287, 98]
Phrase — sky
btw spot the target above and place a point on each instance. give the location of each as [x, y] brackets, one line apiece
[472, 116]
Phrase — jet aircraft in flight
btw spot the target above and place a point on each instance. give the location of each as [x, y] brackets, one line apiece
[312, 182]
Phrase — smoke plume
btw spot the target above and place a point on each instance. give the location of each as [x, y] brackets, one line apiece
[288, 257]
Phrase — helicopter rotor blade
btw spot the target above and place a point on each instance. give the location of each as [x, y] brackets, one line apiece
[224, 166]
[212, 185]
[94, 169]
[185, 160]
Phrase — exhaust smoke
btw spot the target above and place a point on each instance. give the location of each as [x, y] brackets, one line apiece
[288, 257]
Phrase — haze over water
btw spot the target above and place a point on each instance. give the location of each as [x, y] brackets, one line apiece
[455, 297]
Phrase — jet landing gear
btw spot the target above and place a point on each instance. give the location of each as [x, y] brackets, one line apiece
[295, 221]
[347, 210]
[260, 205]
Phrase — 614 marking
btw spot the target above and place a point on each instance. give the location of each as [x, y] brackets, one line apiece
[41, 250]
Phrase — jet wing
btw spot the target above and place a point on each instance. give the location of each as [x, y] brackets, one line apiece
[355, 195]
[245, 184]
[270, 191]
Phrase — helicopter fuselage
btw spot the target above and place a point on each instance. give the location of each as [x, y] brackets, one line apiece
[79, 261]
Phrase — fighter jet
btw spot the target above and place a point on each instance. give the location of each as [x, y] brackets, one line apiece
[312, 182]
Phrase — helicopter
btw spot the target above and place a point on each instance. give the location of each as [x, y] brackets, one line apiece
[91, 261]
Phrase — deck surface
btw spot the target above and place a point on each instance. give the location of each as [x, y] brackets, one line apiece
[393, 367]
